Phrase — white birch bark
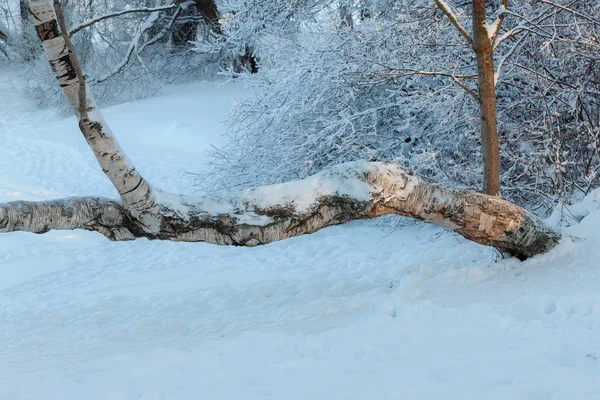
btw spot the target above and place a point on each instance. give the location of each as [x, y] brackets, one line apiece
[347, 192]
[134, 190]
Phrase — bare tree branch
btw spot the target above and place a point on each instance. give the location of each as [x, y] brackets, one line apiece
[134, 47]
[570, 10]
[453, 19]
[465, 88]
[163, 31]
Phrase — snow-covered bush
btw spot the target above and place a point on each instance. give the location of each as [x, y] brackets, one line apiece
[328, 93]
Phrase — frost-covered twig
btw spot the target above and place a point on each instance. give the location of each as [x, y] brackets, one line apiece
[133, 46]
[95, 20]
[453, 19]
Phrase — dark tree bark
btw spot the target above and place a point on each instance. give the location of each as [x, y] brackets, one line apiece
[209, 11]
[201, 10]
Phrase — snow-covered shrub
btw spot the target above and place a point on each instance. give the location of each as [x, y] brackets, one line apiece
[383, 89]
[327, 94]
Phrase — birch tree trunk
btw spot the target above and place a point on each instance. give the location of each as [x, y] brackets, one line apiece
[343, 193]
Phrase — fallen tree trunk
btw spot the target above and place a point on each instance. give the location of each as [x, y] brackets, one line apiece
[343, 193]
[347, 192]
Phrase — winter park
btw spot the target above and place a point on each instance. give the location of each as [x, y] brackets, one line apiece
[299, 199]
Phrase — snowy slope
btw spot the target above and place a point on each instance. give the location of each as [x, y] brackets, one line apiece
[351, 312]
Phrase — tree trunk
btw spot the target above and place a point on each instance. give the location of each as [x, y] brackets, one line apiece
[209, 11]
[186, 31]
[347, 192]
[483, 46]
[343, 193]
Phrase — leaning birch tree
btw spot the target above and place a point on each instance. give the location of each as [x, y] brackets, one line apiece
[351, 191]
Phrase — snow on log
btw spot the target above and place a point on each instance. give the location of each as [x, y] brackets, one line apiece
[352, 191]
[346, 192]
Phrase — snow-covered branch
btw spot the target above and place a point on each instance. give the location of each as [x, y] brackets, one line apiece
[133, 47]
[445, 7]
[497, 25]
[262, 215]
[95, 20]
[571, 11]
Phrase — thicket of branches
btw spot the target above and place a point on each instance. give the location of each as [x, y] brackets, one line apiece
[129, 49]
[394, 84]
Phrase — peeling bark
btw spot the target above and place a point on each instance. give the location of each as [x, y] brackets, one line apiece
[352, 191]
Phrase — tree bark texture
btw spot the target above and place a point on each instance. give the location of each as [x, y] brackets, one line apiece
[186, 32]
[344, 193]
[484, 50]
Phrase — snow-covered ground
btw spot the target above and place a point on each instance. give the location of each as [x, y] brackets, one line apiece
[351, 312]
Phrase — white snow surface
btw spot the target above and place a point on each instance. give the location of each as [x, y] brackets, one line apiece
[351, 312]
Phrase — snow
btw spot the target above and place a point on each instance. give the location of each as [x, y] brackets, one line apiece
[341, 180]
[345, 180]
[338, 180]
[351, 312]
